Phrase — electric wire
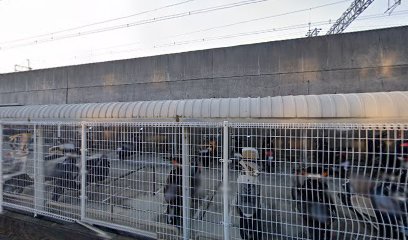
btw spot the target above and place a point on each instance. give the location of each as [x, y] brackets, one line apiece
[258, 32]
[97, 23]
[235, 23]
[242, 34]
[252, 33]
[137, 23]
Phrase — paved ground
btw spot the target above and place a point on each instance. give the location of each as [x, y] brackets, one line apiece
[17, 226]
[133, 196]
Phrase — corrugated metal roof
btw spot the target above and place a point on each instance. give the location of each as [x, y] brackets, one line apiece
[359, 105]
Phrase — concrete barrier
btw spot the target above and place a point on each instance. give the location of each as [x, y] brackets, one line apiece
[366, 61]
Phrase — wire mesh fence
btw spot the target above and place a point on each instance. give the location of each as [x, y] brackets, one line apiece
[18, 157]
[213, 180]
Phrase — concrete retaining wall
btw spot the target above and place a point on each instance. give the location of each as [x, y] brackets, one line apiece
[367, 61]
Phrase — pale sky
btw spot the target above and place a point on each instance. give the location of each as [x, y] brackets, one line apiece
[154, 32]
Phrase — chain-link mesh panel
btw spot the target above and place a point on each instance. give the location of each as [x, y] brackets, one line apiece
[318, 181]
[18, 165]
[124, 182]
[204, 154]
[35, 175]
[136, 179]
[58, 179]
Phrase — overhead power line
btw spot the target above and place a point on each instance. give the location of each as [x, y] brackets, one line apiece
[171, 44]
[232, 24]
[222, 37]
[251, 33]
[98, 23]
[264, 18]
[221, 26]
[142, 22]
[192, 41]
[254, 33]
[235, 23]
[243, 34]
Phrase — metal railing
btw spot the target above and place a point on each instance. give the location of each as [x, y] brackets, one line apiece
[212, 180]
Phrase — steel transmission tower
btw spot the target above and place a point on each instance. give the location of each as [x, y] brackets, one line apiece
[392, 4]
[356, 8]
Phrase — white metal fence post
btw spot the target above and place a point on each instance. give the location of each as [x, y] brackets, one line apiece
[1, 168]
[186, 183]
[225, 180]
[39, 189]
[35, 170]
[83, 170]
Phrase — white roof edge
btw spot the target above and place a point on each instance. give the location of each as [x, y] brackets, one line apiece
[354, 105]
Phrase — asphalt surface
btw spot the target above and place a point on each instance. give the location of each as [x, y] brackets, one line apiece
[18, 226]
[136, 200]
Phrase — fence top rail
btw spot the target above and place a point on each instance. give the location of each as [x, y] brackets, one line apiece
[345, 126]
[156, 124]
[113, 123]
[339, 126]
[44, 123]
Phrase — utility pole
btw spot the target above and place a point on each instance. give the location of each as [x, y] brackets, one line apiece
[28, 67]
[313, 32]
